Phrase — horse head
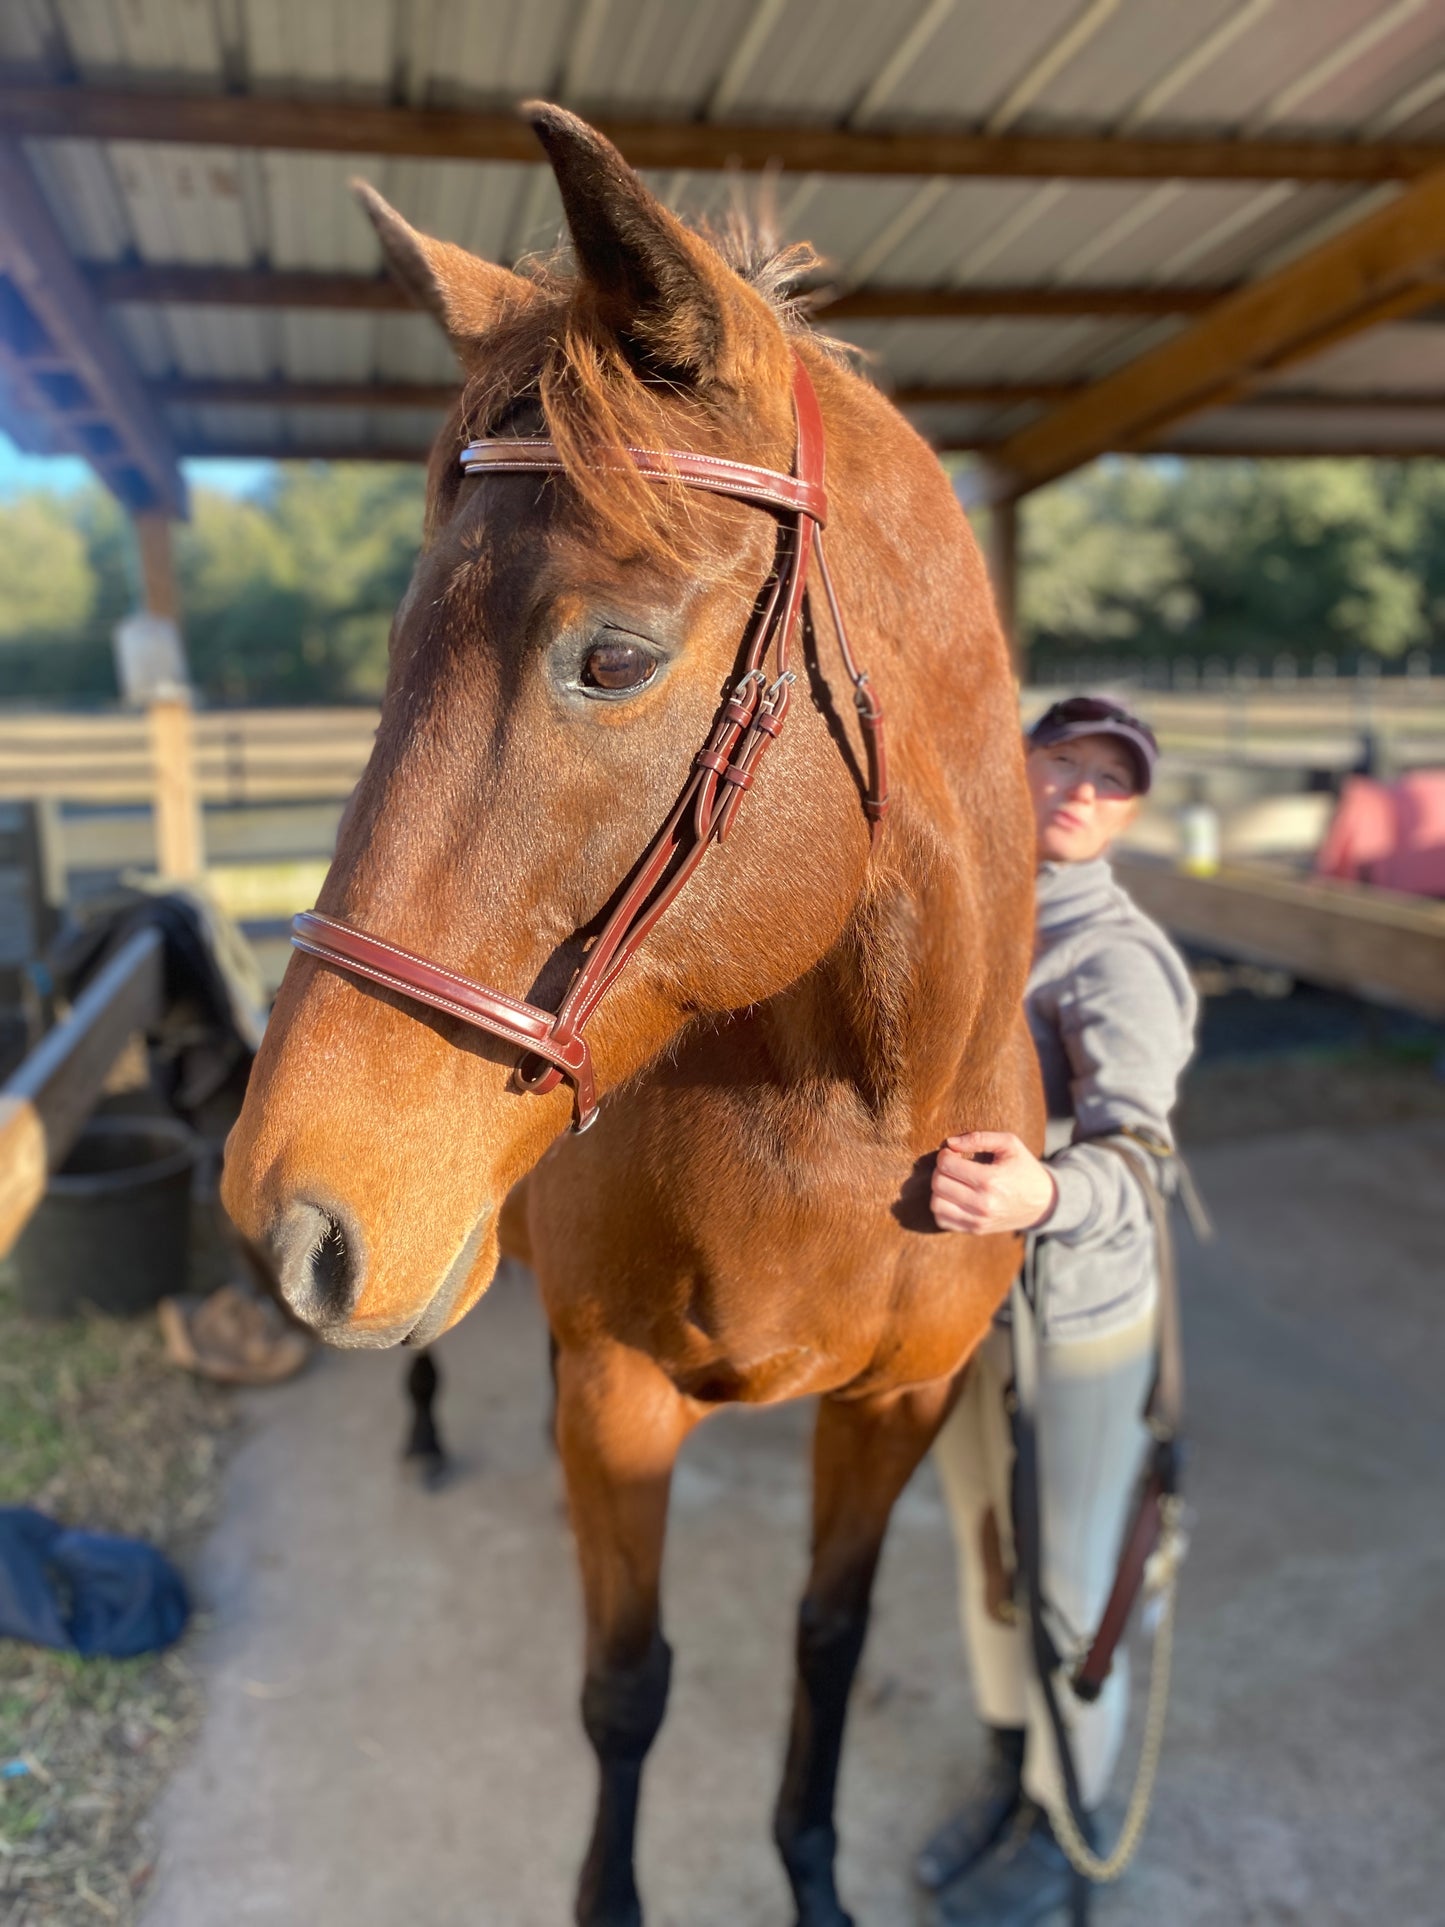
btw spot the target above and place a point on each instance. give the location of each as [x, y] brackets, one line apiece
[562, 652]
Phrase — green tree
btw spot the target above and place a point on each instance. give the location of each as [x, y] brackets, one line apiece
[1236, 557]
[290, 598]
[1098, 560]
[49, 585]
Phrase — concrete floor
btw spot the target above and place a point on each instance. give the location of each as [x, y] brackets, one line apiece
[392, 1736]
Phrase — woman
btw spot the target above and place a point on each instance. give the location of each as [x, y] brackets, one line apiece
[1112, 1014]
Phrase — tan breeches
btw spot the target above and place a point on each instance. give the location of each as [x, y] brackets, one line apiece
[1091, 1445]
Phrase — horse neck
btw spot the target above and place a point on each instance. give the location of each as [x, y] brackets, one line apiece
[893, 1023]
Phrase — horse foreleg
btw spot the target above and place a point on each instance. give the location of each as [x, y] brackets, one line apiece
[424, 1453]
[864, 1452]
[619, 1425]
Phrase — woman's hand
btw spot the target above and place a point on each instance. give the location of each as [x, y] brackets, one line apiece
[1013, 1193]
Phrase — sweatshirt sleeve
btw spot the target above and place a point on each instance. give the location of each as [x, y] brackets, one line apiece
[1126, 1018]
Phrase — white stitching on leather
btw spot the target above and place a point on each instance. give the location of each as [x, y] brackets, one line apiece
[477, 458]
[545, 1047]
[408, 956]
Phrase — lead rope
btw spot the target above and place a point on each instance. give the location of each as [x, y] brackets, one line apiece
[1079, 1854]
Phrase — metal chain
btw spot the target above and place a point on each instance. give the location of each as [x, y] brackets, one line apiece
[1079, 1854]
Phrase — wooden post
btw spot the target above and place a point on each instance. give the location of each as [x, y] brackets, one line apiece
[1003, 568]
[180, 852]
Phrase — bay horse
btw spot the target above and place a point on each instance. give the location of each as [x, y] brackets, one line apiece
[788, 1043]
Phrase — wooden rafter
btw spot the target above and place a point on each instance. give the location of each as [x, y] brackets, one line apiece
[1337, 447]
[187, 286]
[361, 127]
[1302, 401]
[1036, 303]
[247, 287]
[278, 392]
[1235, 449]
[75, 386]
[317, 449]
[199, 393]
[1384, 267]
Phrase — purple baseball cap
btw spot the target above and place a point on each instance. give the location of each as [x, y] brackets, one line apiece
[1097, 716]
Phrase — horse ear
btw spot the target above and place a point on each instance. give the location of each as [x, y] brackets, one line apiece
[669, 297]
[467, 295]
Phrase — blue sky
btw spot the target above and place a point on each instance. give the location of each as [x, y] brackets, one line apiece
[18, 473]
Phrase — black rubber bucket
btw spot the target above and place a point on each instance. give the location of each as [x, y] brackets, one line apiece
[114, 1228]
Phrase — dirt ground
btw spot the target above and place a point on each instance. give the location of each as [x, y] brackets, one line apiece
[97, 1430]
[392, 1677]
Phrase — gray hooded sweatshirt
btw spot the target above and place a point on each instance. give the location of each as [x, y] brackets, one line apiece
[1112, 1013]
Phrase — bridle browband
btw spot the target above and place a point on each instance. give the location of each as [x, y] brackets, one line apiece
[723, 770]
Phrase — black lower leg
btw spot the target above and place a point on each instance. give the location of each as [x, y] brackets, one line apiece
[622, 1709]
[424, 1450]
[830, 1640]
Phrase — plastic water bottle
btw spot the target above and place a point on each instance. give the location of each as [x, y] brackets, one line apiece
[1199, 839]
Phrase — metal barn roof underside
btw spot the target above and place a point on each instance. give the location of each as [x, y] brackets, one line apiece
[1055, 229]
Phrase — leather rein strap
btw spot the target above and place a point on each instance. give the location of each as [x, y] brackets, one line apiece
[724, 769]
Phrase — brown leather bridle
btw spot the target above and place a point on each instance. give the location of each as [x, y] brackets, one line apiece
[723, 770]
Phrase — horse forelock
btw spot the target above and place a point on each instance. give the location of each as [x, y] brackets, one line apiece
[557, 351]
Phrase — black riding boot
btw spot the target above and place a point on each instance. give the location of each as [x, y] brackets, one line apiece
[966, 1836]
[1026, 1879]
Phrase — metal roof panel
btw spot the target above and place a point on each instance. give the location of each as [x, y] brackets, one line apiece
[81, 191]
[330, 46]
[27, 35]
[160, 40]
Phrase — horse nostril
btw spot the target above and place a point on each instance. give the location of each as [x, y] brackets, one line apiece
[331, 1263]
[318, 1264]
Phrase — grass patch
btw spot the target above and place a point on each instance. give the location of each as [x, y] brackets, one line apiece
[96, 1429]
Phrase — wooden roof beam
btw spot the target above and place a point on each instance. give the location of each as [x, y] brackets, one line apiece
[436, 396]
[279, 393]
[363, 127]
[187, 286]
[235, 448]
[1304, 401]
[1366, 448]
[71, 372]
[1385, 266]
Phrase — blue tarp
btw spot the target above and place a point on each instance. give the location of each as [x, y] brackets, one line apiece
[90, 1593]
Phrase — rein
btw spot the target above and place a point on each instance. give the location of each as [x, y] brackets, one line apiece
[724, 769]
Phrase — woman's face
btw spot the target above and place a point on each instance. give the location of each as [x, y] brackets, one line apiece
[1084, 794]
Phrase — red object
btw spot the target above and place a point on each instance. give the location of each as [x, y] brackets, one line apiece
[1389, 834]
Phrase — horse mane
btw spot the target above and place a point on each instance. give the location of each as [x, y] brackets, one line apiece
[551, 351]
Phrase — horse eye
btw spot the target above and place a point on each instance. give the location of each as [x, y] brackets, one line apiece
[617, 665]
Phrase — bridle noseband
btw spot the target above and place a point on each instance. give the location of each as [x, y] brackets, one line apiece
[723, 770]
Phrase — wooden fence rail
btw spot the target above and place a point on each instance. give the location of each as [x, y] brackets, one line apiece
[47, 1100]
[1372, 943]
[242, 756]
[281, 755]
